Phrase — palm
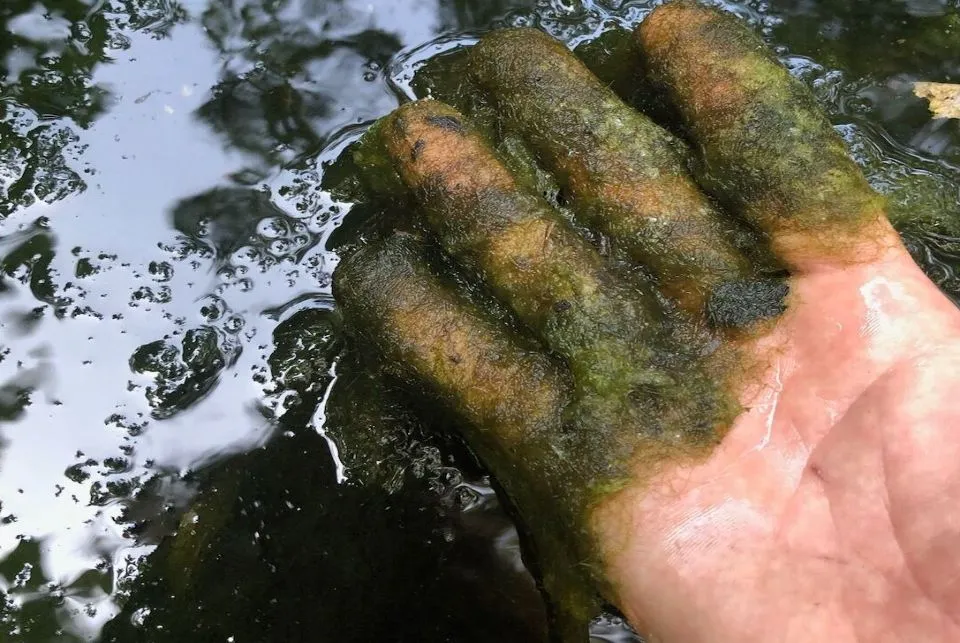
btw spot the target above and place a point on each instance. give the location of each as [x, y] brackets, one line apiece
[843, 452]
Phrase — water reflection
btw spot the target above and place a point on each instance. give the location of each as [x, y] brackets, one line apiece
[164, 271]
[47, 58]
[883, 48]
[920, 37]
[294, 72]
[164, 214]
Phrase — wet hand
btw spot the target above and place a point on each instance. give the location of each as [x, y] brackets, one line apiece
[709, 377]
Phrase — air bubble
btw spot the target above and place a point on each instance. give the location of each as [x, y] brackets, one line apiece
[161, 271]
[465, 497]
[280, 247]
[234, 324]
[81, 32]
[246, 255]
[139, 617]
[272, 228]
[213, 308]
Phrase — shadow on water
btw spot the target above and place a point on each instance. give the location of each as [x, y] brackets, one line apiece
[271, 550]
[170, 359]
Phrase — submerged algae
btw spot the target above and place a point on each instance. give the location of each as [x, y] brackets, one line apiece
[630, 388]
[375, 433]
[433, 336]
[389, 292]
[541, 443]
[576, 448]
[284, 561]
[261, 518]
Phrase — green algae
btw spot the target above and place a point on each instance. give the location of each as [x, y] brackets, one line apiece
[391, 294]
[613, 58]
[764, 145]
[605, 324]
[433, 337]
[614, 381]
[376, 433]
[577, 447]
[623, 174]
[510, 237]
[740, 304]
[273, 550]
[880, 40]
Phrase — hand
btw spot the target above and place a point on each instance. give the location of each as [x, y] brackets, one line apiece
[746, 439]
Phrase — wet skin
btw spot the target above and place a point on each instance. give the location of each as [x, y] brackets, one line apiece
[788, 472]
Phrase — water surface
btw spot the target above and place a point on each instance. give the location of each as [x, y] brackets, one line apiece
[165, 295]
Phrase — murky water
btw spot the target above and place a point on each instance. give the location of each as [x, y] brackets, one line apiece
[166, 346]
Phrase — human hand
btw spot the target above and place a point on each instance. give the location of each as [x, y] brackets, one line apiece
[721, 458]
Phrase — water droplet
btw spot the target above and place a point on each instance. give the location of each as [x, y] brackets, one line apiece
[139, 617]
[280, 247]
[118, 42]
[212, 308]
[272, 228]
[234, 324]
[162, 271]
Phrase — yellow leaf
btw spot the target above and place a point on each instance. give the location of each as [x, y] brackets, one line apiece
[944, 98]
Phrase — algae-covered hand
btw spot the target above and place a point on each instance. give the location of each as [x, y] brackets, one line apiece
[703, 368]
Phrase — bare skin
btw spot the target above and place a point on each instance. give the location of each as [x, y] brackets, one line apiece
[829, 512]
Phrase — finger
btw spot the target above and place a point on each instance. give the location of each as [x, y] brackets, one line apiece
[511, 399]
[557, 283]
[517, 400]
[766, 147]
[423, 327]
[623, 174]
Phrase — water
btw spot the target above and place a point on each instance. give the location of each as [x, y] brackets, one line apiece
[166, 345]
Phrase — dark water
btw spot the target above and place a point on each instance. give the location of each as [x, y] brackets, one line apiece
[169, 361]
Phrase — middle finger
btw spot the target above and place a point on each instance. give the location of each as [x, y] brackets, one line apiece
[624, 174]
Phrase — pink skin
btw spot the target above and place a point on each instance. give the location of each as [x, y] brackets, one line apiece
[831, 512]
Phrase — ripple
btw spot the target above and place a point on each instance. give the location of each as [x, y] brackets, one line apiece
[180, 354]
